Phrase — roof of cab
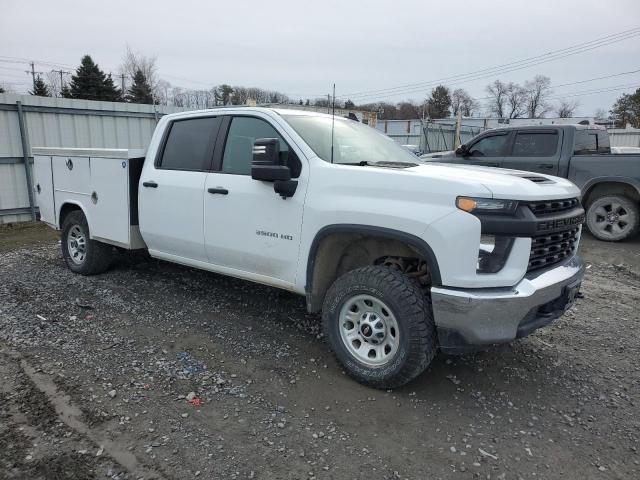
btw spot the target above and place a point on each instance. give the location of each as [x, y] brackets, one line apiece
[572, 126]
[243, 108]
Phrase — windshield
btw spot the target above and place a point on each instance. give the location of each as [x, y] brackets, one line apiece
[353, 142]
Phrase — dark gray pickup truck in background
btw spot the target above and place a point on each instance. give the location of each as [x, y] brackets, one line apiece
[610, 183]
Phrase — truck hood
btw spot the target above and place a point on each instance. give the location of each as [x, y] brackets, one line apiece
[501, 182]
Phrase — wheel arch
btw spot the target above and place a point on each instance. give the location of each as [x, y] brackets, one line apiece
[604, 185]
[66, 208]
[340, 238]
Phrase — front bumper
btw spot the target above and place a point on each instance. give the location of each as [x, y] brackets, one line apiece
[468, 319]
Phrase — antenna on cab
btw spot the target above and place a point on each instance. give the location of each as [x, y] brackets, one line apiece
[333, 118]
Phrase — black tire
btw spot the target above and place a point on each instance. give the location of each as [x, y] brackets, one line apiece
[613, 217]
[417, 333]
[97, 256]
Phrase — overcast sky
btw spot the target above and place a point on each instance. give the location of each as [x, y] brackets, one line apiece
[302, 47]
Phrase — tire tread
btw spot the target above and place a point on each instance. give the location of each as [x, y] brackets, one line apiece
[632, 205]
[416, 311]
[99, 255]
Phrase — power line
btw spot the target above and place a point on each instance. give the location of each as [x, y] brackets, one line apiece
[61, 73]
[597, 78]
[592, 92]
[10, 59]
[553, 55]
[578, 82]
[11, 68]
[500, 69]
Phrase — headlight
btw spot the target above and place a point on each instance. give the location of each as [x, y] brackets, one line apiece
[493, 253]
[486, 205]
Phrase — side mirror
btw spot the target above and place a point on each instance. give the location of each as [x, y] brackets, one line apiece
[267, 163]
[462, 150]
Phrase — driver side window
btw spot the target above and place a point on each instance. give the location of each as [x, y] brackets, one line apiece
[238, 150]
[491, 146]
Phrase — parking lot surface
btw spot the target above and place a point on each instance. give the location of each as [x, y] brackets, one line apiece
[153, 370]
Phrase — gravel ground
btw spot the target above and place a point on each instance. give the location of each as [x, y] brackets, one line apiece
[153, 370]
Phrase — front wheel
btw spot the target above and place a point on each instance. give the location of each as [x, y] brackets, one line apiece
[613, 218]
[83, 255]
[380, 326]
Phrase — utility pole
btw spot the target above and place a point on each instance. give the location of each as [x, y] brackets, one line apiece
[122, 83]
[33, 74]
[456, 139]
[61, 72]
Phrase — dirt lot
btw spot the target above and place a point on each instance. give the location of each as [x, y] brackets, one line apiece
[158, 371]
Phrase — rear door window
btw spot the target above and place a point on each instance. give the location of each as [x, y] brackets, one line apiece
[590, 142]
[189, 144]
[535, 144]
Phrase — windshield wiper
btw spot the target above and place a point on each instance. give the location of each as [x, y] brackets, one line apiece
[390, 164]
[362, 163]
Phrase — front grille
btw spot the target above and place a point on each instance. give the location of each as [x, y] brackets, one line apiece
[547, 250]
[553, 206]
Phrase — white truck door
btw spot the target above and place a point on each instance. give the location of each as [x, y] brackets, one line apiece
[250, 230]
[43, 186]
[171, 190]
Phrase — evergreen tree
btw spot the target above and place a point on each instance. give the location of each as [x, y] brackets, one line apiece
[140, 91]
[627, 110]
[111, 93]
[91, 83]
[439, 103]
[1, 90]
[65, 92]
[40, 89]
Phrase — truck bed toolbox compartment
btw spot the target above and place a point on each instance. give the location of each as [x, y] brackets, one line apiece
[103, 182]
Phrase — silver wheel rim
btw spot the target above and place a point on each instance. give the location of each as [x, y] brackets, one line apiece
[611, 219]
[77, 244]
[369, 330]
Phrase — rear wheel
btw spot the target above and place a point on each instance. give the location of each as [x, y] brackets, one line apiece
[613, 218]
[83, 255]
[379, 326]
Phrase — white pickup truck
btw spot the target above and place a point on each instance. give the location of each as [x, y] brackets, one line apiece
[402, 258]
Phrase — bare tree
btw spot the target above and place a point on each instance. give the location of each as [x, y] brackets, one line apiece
[601, 114]
[257, 94]
[53, 82]
[537, 92]
[240, 95]
[408, 110]
[164, 92]
[5, 88]
[134, 61]
[497, 98]
[464, 103]
[516, 101]
[566, 108]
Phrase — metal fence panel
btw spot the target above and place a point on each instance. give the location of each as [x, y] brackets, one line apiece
[13, 193]
[61, 122]
[427, 135]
